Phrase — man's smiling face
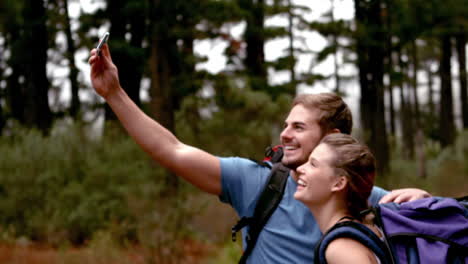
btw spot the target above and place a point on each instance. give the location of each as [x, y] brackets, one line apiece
[301, 134]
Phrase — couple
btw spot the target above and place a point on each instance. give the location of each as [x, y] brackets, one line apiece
[292, 232]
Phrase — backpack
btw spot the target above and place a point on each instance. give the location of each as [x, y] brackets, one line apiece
[267, 202]
[429, 230]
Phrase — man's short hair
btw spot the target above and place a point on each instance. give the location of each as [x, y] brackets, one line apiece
[335, 113]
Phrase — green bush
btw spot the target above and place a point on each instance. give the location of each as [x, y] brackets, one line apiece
[446, 169]
[68, 185]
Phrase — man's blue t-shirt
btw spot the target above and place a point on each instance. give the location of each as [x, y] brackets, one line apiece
[291, 233]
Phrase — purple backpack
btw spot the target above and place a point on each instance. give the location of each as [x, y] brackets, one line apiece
[426, 231]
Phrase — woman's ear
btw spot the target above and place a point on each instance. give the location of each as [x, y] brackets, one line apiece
[340, 184]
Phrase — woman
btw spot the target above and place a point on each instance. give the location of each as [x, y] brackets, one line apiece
[335, 184]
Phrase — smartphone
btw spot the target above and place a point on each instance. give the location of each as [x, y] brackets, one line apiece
[101, 42]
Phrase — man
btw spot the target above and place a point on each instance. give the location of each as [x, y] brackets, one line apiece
[291, 233]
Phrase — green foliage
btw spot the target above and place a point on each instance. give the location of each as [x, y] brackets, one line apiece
[75, 187]
[244, 126]
[446, 169]
[67, 186]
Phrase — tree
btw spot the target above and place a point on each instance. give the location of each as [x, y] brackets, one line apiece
[2, 115]
[446, 125]
[406, 110]
[2, 69]
[414, 81]
[292, 59]
[461, 55]
[163, 53]
[11, 22]
[335, 30]
[371, 54]
[254, 36]
[172, 60]
[335, 44]
[128, 31]
[37, 111]
[70, 55]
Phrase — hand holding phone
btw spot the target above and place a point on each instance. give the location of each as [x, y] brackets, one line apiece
[101, 42]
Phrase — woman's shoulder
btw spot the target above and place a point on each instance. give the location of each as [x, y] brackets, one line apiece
[347, 250]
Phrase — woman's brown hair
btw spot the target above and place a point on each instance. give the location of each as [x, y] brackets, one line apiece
[354, 161]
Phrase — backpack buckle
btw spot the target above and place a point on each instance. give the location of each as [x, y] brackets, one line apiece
[243, 222]
[269, 152]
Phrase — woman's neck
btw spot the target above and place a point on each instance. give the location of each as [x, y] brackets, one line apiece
[328, 214]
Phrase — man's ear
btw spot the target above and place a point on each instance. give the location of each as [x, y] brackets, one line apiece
[340, 184]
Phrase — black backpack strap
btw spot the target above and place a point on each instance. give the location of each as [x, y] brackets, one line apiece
[355, 231]
[272, 155]
[266, 205]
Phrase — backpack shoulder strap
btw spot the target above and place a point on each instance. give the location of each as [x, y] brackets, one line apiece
[266, 205]
[463, 201]
[355, 231]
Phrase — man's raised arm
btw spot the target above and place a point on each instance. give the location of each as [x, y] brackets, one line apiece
[196, 166]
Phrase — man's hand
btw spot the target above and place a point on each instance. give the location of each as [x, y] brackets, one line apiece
[104, 74]
[404, 195]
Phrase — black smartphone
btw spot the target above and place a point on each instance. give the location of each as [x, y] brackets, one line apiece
[101, 42]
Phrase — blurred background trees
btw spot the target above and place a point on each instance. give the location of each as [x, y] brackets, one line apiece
[401, 51]
[403, 62]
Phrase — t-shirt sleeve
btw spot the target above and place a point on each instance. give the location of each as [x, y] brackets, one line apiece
[376, 194]
[241, 181]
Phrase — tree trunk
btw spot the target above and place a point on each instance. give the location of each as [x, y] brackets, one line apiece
[419, 137]
[406, 113]
[335, 55]
[117, 35]
[15, 90]
[370, 62]
[136, 53]
[421, 154]
[377, 53]
[127, 54]
[2, 116]
[461, 52]
[292, 58]
[363, 63]
[184, 67]
[446, 125]
[390, 69]
[414, 83]
[38, 113]
[162, 97]
[15, 93]
[255, 39]
[161, 94]
[71, 50]
[430, 89]
[391, 107]
[2, 99]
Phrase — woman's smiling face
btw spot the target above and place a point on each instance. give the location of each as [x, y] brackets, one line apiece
[317, 176]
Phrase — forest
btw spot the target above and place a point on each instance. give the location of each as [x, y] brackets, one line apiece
[74, 186]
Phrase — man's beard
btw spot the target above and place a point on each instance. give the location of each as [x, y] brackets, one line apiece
[291, 164]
